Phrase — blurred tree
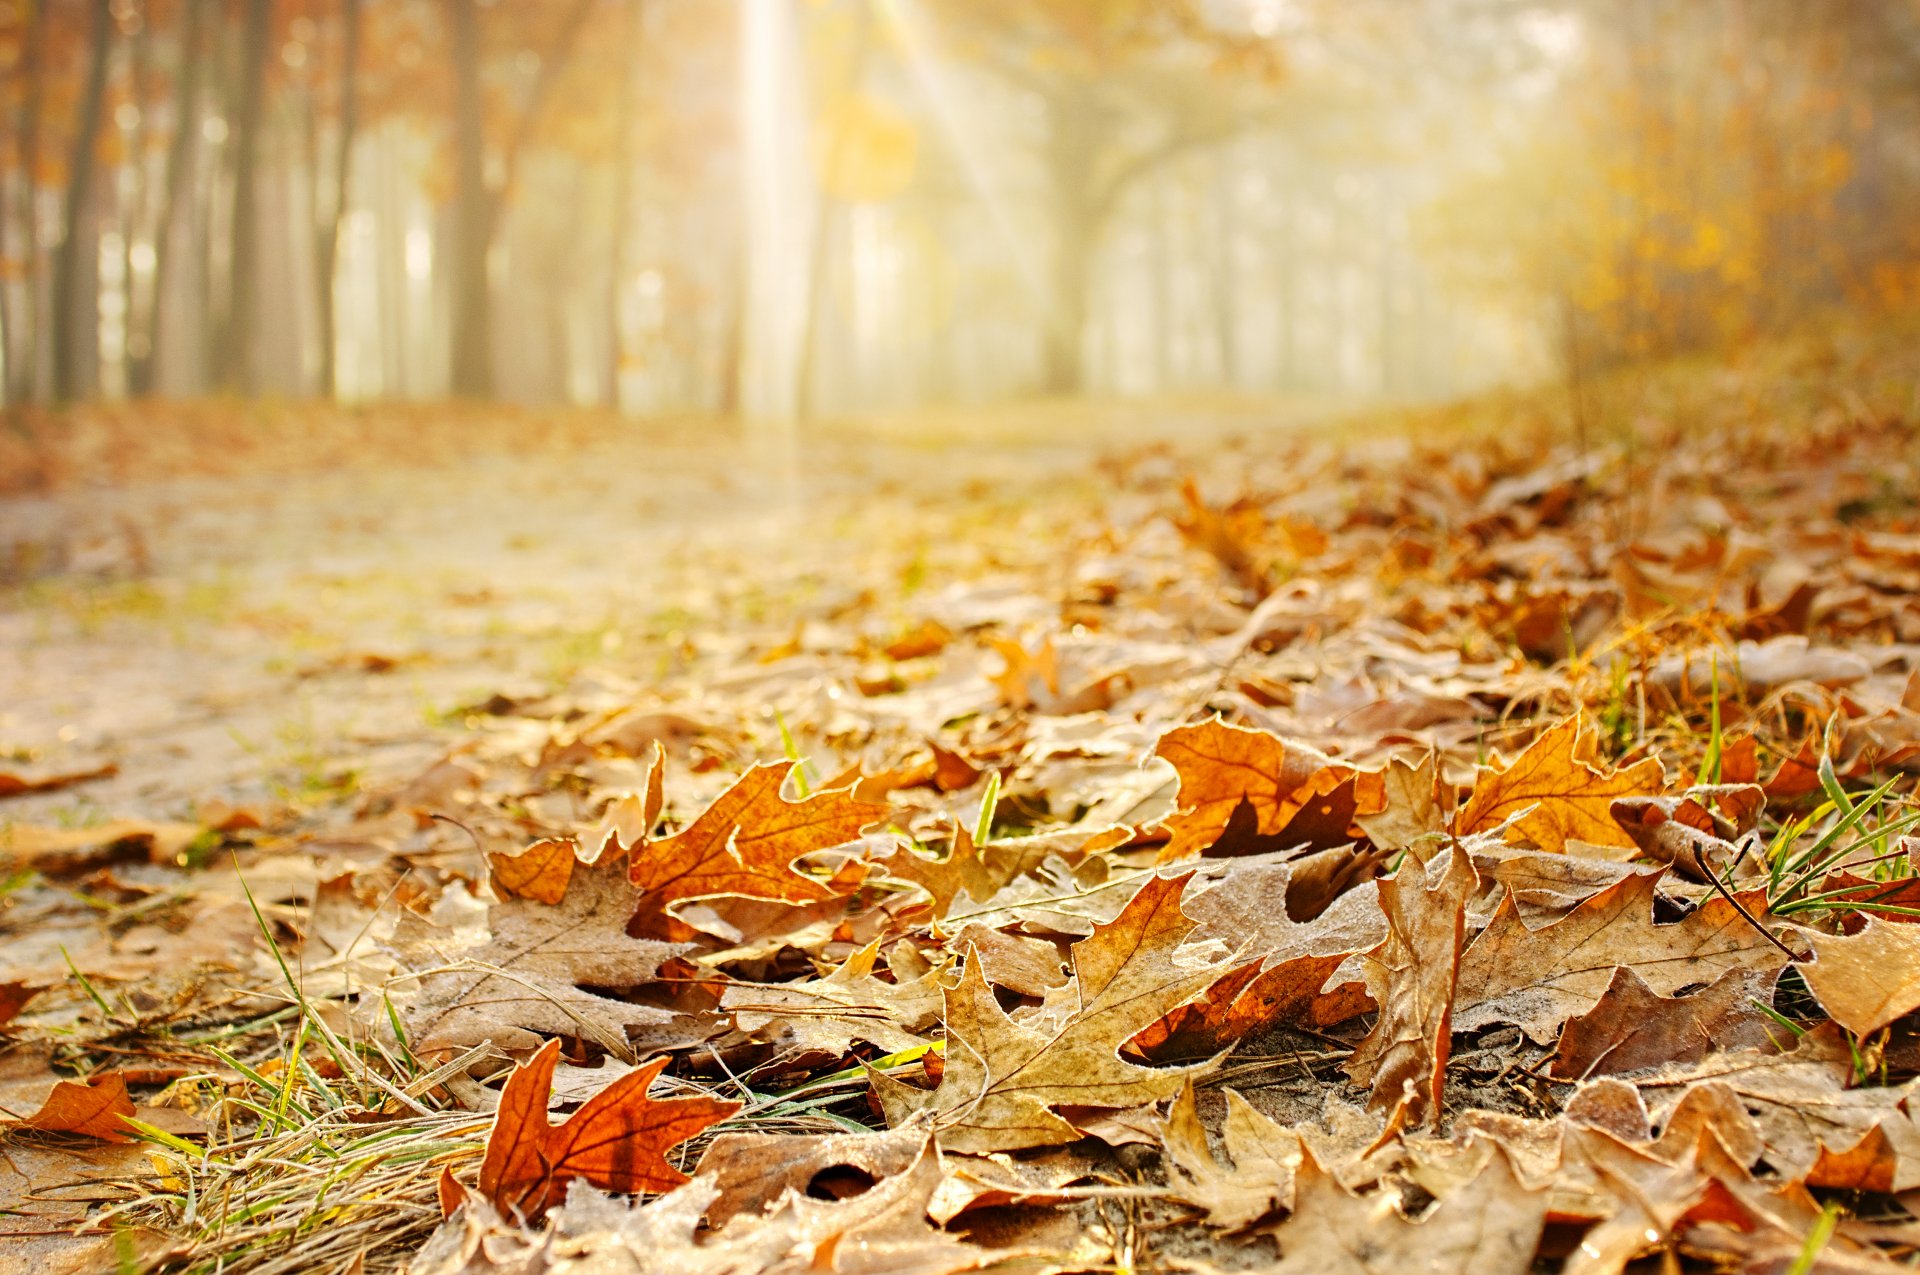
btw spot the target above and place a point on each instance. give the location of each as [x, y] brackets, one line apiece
[175, 194]
[1700, 176]
[1126, 86]
[482, 187]
[75, 333]
[236, 347]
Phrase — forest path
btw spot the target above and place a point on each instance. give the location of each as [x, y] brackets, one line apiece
[287, 638]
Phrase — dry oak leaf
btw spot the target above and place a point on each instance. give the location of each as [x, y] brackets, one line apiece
[1537, 979]
[1414, 811]
[1633, 1027]
[881, 1231]
[1563, 794]
[1020, 963]
[15, 995]
[981, 872]
[1003, 1077]
[753, 1170]
[1795, 1108]
[1249, 999]
[97, 1107]
[1864, 981]
[617, 1140]
[745, 845]
[1263, 1156]
[1412, 976]
[531, 979]
[1489, 1226]
[964, 870]
[826, 1015]
[1224, 767]
[542, 870]
[1643, 1197]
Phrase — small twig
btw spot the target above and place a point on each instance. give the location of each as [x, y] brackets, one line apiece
[1713, 879]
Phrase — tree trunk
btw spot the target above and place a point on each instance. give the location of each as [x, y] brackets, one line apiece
[1226, 275]
[467, 260]
[143, 371]
[26, 380]
[73, 338]
[826, 220]
[11, 349]
[327, 230]
[1070, 148]
[237, 362]
[623, 166]
[478, 206]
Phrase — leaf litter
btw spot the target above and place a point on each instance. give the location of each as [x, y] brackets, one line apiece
[1394, 850]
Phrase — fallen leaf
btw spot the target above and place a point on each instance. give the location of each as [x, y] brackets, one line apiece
[546, 968]
[1864, 981]
[825, 1015]
[1004, 1077]
[1225, 768]
[1411, 976]
[1250, 999]
[97, 1107]
[753, 1170]
[1262, 1157]
[617, 1140]
[1490, 1226]
[1415, 808]
[1558, 792]
[745, 845]
[15, 785]
[1631, 1027]
[1537, 979]
[14, 997]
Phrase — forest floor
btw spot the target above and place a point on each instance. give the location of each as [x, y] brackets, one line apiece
[1177, 837]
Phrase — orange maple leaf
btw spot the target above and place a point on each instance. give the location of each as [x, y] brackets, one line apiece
[616, 1141]
[1571, 798]
[1227, 770]
[745, 845]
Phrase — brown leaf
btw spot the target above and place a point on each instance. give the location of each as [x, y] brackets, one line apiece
[25, 845]
[1248, 1000]
[1896, 901]
[1564, 794]
[1632, 1027]
[1021, 963]
[1411, 976]
[1678, 832]
[92, 1108]
[1489, 1226]
[930, 638]
[1257, 1181]
[1864, 981]
[753, 1170]
[1004, 1076]
[14, 997]
[1230, 535]
[1798, 1109]
[1537, 979]
[1414, 814]
[546, 969]
[745, 845]
[1223, 768]
[540, 872]
[617, 1140]
[827, 1014]
[14, 785]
